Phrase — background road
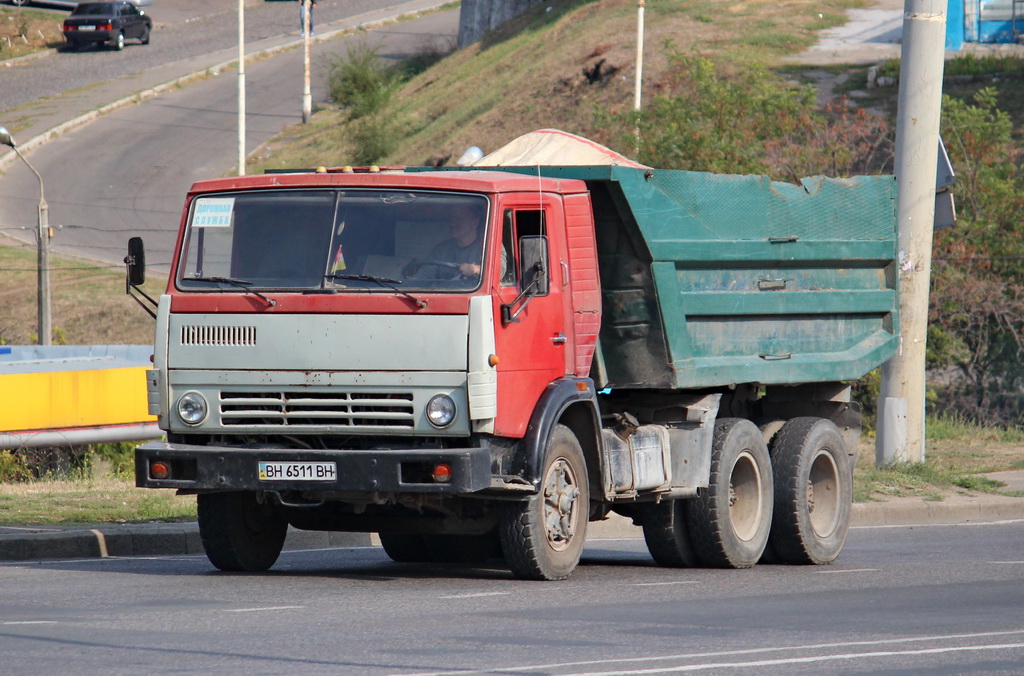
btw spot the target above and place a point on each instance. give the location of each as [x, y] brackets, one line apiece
[184, 28]
[913, 600]
[127, 172]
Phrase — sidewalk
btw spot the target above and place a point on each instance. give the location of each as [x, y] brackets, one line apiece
[28, 543]
[57, 115]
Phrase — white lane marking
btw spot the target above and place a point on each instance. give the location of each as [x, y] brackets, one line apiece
[659, 584]
[260, 610]
[725, 653]
[13, 622]
[801, 660]
[1006, 563]
[846, 570]
[475, 596]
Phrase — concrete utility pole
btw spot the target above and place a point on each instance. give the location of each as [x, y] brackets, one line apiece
[241, 87]
[44, 318]
[901, 400]
[307, 96]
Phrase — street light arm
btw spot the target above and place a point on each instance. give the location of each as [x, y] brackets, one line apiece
[42, 197]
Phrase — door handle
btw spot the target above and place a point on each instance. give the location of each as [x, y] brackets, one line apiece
[560, 339]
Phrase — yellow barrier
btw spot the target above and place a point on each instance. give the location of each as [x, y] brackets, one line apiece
[72, 399]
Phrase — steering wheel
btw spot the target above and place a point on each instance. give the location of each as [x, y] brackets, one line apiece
[448, 271]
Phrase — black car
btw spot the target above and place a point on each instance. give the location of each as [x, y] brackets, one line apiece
[109, 23]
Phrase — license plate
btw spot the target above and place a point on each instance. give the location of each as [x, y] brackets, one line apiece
[86, 27]
[298, 471]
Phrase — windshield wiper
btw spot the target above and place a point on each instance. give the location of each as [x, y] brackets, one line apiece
[383, 281]
[240, 283]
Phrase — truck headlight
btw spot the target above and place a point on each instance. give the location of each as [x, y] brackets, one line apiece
[192, 408]
[441, 410]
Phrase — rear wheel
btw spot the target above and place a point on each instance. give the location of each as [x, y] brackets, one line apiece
[118, 41]
[238, 532]
[730, 521]
[813, 492]
[542, 538]
[666, 534]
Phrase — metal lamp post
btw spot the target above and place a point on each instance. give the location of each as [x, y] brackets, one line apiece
[43, 240]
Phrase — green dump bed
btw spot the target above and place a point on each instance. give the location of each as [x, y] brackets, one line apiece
[711, 280]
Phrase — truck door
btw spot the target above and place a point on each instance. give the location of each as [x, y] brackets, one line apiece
[533, 336]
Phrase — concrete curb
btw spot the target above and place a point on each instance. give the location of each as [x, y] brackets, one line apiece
[176, 539]
[152, 539]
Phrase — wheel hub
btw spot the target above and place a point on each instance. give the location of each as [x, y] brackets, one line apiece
[561, 494]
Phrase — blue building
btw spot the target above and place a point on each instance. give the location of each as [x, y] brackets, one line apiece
[988, 21]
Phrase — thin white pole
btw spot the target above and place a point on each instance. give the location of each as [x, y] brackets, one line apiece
[637, 84]
[901, 411]
[307, 97]
[639, 55]
[241, 87]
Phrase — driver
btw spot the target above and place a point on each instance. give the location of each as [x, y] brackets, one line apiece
[465, 246]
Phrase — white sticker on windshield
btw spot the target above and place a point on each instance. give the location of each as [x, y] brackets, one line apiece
[213, 212]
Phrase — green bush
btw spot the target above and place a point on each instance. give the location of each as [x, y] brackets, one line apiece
[13, 468]
[360, 81]
[120, 456]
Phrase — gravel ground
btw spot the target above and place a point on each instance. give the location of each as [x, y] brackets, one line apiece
[189, 29]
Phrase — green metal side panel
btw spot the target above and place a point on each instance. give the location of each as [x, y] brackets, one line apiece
[744, 280]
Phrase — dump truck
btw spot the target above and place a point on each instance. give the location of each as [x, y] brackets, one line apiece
[477, 362]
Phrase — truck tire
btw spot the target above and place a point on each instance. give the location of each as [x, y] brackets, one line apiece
[405, 547]
[730, 521]
[813, 492]
[239, 533]
[542, 538]
[667, 535]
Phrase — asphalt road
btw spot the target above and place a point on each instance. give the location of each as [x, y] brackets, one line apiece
[184, 28]
[908, 600]
[127, 172]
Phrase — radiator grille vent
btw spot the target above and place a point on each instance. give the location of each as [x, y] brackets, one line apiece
[293, 409]
[229, 336]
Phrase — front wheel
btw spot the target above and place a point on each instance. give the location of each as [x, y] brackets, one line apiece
[144, 39]
[239, 533]
[813, 492]
[542, 538]
[730, 521]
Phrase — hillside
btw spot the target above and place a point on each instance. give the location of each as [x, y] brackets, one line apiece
[553, 66]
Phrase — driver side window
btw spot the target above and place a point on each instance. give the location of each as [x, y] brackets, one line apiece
[516, 224]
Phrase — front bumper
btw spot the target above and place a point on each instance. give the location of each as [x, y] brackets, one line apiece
[223, 468]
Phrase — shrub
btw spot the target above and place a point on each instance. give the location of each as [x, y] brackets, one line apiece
[360, 81]
[13, 468]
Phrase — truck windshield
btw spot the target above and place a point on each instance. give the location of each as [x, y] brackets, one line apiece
[332, 239]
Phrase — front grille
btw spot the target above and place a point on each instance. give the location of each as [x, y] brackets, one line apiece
[300, 409]
[228, 336]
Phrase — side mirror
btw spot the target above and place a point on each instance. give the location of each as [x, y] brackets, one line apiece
[533, 256]
[136, 262]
